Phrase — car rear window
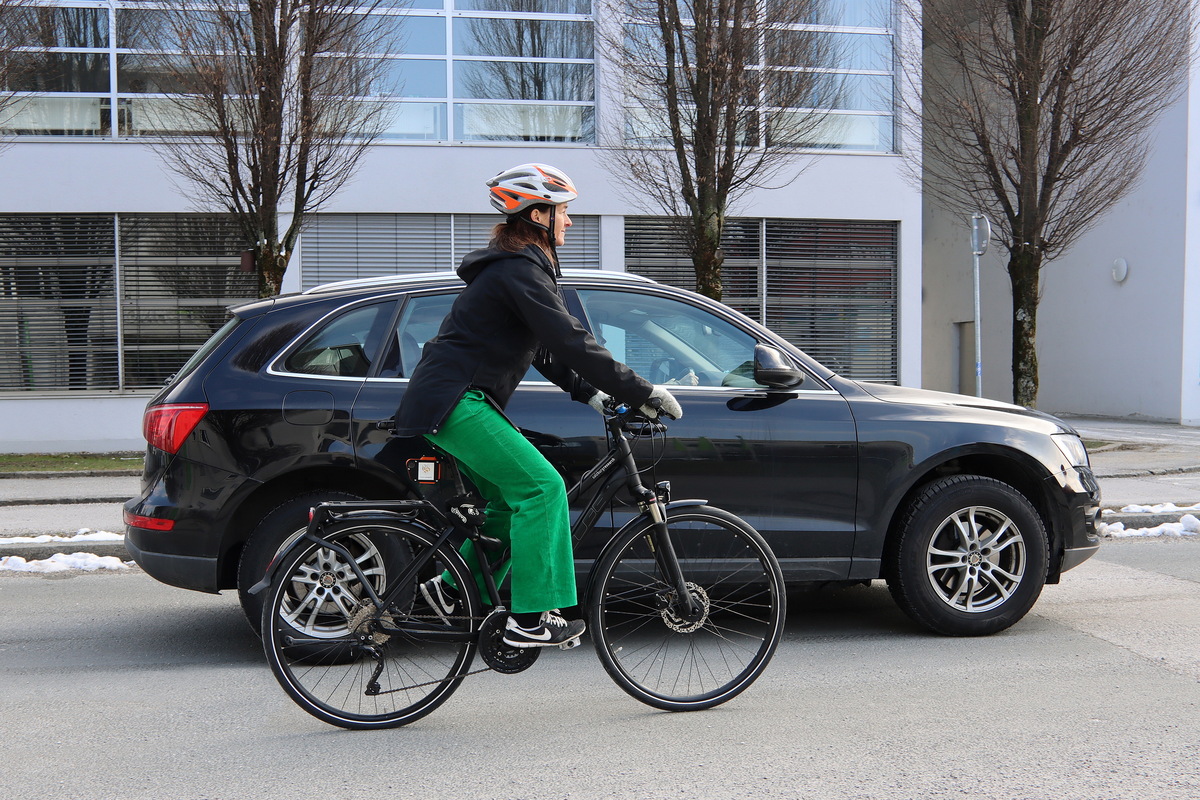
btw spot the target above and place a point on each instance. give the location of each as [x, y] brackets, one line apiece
[212, 344]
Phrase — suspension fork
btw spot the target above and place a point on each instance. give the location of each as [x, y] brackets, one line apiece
[660, 542]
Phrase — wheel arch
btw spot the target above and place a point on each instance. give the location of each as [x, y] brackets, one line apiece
[271, 494]
[1011, 467]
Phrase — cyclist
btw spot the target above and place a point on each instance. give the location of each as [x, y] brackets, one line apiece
[510, 315]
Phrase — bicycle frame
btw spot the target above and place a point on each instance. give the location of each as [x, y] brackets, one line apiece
[599, 485]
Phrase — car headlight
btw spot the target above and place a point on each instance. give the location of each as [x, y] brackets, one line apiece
[1073, 448]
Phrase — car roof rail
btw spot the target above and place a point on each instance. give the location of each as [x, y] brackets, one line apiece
[387, 281]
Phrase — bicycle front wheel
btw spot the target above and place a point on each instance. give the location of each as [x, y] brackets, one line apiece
[350, 664]
[656, 650]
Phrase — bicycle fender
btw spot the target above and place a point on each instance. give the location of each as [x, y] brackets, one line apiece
[280, 557]
[638, 521]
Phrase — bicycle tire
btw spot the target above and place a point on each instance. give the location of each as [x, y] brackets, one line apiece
[649, 649]
[323, 640]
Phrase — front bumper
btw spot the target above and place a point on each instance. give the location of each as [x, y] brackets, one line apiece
[1077, 519]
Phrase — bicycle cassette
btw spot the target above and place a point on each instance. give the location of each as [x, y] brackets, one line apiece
[500, 656]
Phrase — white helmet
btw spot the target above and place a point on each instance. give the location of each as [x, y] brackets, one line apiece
[516, 189]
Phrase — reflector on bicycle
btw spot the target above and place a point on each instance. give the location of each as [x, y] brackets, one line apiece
[426, 469]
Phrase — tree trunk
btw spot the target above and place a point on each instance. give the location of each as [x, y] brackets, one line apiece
[707, 256]
[1024, 266]
[272, 260]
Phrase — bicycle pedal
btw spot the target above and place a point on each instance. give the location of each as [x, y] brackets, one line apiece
[571, 644]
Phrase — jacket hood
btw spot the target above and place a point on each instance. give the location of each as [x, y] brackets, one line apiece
[478, 260]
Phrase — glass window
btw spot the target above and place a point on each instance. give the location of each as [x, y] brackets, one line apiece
[834, 131]
[669, 342]
[60, 72]
[138, 73]
[522, 38]
[531, 123]
[419, 322]
[522, 80]
[63, 27]
[59, 116]
[853, 13]
[412, 77]
[418, 121]
[527, 6]
[422, 36]
[343, 347]
[145, 28]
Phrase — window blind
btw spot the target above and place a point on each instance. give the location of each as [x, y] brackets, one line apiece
[827, 286]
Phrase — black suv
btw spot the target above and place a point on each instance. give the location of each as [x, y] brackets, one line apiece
[965, 506]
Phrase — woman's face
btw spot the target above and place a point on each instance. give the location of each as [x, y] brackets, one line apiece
[562, 221]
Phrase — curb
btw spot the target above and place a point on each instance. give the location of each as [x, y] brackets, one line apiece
[83, 473]
[38, 551]
[62, 501]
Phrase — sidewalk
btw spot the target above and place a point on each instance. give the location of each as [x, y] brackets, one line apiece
[1139, 464]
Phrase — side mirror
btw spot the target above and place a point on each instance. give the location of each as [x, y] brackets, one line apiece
[773, 369]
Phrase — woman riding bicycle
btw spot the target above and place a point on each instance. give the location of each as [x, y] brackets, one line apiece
[511, 315]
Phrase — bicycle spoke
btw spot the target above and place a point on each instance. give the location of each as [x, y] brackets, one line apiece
[670, 657]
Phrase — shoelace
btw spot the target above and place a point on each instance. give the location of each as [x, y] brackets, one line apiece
[550, 618]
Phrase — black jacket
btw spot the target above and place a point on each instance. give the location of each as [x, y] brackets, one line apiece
[510, 315]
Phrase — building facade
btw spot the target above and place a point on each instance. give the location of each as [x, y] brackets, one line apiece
[1118, 322]
[110, 275]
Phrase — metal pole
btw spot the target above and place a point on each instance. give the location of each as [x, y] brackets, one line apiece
[981, 231]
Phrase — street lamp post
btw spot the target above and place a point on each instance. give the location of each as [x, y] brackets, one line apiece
[981, 232]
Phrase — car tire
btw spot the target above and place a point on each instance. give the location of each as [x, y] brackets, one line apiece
[279, 528]
[968, 558]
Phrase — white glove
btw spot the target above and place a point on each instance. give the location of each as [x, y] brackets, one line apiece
[598, 400]
[670, 406]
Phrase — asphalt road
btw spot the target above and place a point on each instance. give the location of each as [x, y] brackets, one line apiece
[116, 686]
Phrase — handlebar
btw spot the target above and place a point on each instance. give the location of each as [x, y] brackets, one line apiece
[633, 420]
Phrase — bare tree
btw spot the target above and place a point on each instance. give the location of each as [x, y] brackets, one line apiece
[1039, 113]
[721, 96]
[271, 113]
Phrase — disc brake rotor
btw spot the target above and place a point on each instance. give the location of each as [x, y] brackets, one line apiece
[677, 622]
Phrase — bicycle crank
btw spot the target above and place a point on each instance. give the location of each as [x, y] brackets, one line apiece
[500, 656]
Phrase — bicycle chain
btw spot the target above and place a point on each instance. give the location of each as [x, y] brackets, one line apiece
[367, 610]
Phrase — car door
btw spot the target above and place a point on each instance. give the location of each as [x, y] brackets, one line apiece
[569, 434]
[784, 460]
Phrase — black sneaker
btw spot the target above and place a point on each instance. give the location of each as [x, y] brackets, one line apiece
[551, 632]
[439, 597]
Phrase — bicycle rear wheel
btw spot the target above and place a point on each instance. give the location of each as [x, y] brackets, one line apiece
[344, 661]
[650, 646]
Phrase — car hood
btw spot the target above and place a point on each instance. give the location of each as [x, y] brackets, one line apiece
[924, 397]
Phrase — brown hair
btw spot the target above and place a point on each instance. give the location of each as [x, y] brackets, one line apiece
[516, 233]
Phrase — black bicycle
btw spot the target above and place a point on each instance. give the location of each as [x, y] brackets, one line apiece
[685, 603]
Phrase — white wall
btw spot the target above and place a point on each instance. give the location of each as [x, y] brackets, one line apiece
[1104, 348]
[947, 298]
[1115, 349]
[47, 424]
[1190, 356]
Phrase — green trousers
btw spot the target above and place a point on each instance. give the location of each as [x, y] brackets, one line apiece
[526, 504]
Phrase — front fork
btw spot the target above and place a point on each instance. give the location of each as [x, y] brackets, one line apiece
[664, 552]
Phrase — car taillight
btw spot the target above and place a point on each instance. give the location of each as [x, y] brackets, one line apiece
[149, 523]
[165, 427]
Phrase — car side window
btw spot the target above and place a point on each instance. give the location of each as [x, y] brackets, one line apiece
[419, 322]
[669, 342]
[343, 346]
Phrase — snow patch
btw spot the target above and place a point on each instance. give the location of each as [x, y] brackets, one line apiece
[61, 562]
[82, 535]
[1189, 525]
